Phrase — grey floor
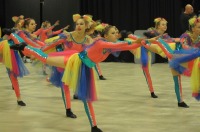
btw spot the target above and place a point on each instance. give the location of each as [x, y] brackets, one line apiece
[124, 103]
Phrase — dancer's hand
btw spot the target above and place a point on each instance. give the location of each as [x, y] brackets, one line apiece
[165, 34]
[133, 37]
[56, 23]
[65, 28]
[144, 43]
[154, 39]
[138, 40]
[176, 40]
[33, 36]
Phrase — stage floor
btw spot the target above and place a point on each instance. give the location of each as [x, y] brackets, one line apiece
[124, 103]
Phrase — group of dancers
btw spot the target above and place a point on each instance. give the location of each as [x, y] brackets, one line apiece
[74, 55]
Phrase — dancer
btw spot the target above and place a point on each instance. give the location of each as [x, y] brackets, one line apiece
[92, 33]
[166, 50]
[145, 54]
[26, 35]
[78, 73]
[19, 21]
[191, 43]
[71, 43]
[17, 68]
[46, 32]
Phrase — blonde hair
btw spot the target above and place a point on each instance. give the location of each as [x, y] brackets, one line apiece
[103, 28]
[192, 22]
[158, 20]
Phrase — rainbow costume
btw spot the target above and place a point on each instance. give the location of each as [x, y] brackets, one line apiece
[14, 64]
[166, 49]
[190, 54]
[78, 74]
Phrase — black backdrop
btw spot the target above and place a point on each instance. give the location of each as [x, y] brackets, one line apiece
[51, 10]
[61, 10]
[125, 14]
[135, 14]
[21, 7]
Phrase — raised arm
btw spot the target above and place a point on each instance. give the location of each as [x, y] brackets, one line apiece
[28, 40]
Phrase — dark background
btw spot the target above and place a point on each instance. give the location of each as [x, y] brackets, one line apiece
[125, 14]
[51, 10]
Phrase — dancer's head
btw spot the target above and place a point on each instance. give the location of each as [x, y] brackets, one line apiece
[109, 32]
[19, 21]
[91, 31]
[82, 23]
[194, 25]
[30, 25]
[46, 24]
[160, 24]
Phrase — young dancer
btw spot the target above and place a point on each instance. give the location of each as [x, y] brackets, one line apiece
[187, 61]
[78, 74]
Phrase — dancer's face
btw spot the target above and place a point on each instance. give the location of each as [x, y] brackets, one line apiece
[80, 25]
[162, 26]
[196, 29]
[31, 26]
[112, 35]
[48, 25]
